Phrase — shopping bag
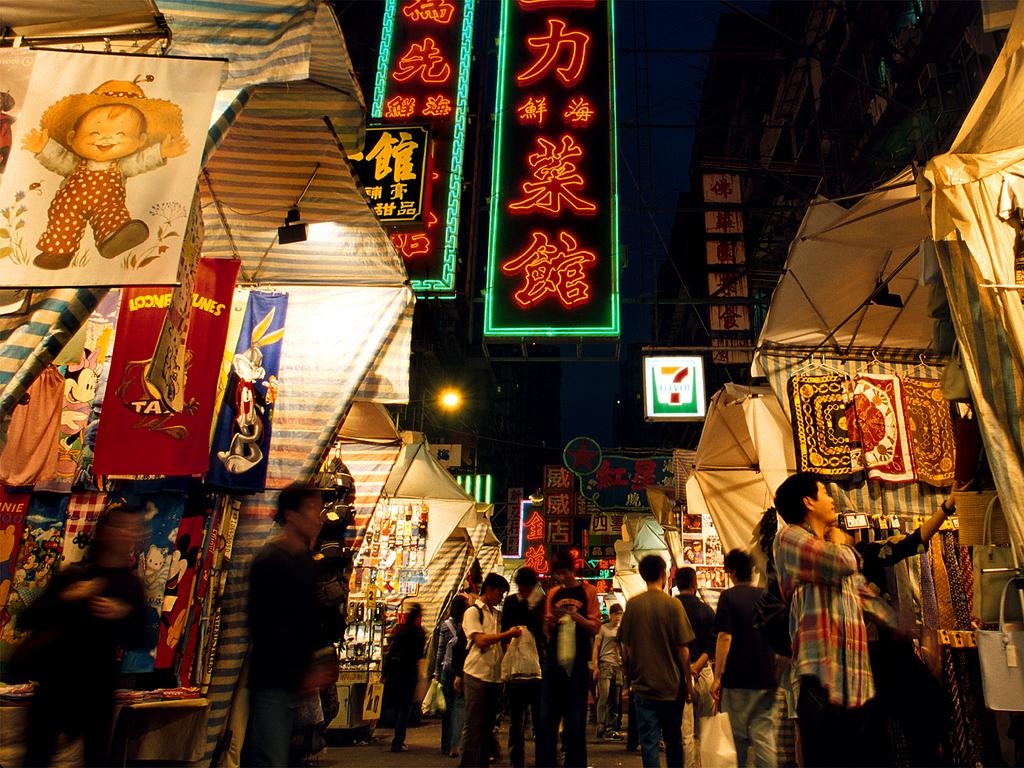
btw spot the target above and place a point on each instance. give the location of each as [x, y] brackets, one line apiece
[521, 660]
[1001, 653]
[717, 749]
[433, 702]
[994, 566]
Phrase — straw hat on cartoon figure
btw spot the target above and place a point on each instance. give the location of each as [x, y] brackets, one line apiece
[97, 140]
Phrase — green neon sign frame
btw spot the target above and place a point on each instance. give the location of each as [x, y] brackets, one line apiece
[503, 110]
[446, 283]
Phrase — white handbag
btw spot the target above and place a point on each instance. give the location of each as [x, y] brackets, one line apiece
[1001, 653]
[994, 565]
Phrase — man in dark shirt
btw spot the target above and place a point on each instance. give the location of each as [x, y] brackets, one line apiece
[525, 608]
[745, 667]
[702, 653]
[571, 620]
[283, 626]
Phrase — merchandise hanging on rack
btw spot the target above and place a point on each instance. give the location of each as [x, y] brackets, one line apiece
[393, 558]
[930, 431]
[822, 412]
[880, 428]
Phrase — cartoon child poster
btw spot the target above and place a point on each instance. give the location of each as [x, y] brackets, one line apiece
[102, 169]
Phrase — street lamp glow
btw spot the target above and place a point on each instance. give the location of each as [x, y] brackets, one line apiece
[450, 399]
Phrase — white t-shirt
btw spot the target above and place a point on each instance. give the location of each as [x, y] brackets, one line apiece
[482, 663]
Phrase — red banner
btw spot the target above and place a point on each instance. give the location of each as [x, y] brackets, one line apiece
[138, 434]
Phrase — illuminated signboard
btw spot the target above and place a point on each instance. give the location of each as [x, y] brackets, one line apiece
[674, 389]
[393, 171]
[535, 553]
[553, 262]
[423, 75]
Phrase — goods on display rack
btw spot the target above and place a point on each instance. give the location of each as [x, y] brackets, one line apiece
[392, 560]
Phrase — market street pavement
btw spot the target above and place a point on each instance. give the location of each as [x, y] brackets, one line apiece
[424, 751]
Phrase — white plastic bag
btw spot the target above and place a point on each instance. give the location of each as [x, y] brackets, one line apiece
[717, 749]
[521, 660]
[433, 702]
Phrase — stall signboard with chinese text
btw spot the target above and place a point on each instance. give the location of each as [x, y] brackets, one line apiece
[535, 536]
[553, 261]
[393, 171]
[423, 76]
[617, 482]
[674, 388]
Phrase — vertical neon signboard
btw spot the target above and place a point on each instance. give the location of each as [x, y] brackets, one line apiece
[423, 76]
[553, 261]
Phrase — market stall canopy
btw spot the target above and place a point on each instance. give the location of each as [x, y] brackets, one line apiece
[975, 194]
[745, 452]
[368, 422]
[418, 476]
[835, 264]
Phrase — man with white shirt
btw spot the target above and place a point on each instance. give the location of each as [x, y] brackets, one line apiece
[481, 674]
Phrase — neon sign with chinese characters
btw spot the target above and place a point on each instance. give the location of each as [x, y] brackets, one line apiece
[423, 75]
[393, 171]
[553, 262]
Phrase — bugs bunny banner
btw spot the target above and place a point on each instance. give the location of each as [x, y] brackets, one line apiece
[241, 442]
[102, 168]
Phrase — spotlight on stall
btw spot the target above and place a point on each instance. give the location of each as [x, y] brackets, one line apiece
[293, 231]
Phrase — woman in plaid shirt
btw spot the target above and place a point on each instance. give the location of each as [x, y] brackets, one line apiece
[830, 670]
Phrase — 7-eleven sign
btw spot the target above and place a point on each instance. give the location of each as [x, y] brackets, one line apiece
[674, 388]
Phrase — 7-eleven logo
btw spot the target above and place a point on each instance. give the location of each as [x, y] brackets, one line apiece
[673, 385]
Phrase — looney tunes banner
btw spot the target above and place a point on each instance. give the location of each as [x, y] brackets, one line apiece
[102, 168]
[139, 434]
[238, 459]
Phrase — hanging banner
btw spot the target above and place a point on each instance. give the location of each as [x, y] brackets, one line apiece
[103, 168]
[241, 442]
[161, 515]
[16, 65]
[423, 72]
[393, 171]
[84, 510]
[553, 258]
[181, 581]
[13, 509]
[139, 434]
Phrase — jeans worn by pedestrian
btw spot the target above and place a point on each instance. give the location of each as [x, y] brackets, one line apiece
[403, 712]
[657, 721]
[524, 706]
[699, 706]
[269, 733]
[478, 742]
[454, 714]
[564, 699]
[751, 717]
[609, 692]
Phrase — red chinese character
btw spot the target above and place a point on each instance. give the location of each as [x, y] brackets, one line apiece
[557, 478]
[533, 110]
[411, 245]
[425, 61]
[556, 179]
[560, 505]
[430, 11]
[643, 474]
[437, 106]
[536, 558]
[400, 106]
[550, 269]
[611, 477]
[579, 113]
[559, 50]
[535, 527]
[534, 5]
[559, 531]
[726, 252]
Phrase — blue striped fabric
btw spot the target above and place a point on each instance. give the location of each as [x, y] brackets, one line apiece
[906, 499]
[994, 375]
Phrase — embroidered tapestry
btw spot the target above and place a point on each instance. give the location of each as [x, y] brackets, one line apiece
[881, 429]
[930, 431]
[821, 408]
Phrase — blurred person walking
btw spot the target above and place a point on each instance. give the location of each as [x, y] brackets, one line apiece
[283, 626]
[571, 620]
[608, 676]
[88, 613]
[404, 670]
[655, 634]
[702, 653]
[746, 674]
[451, 654]
[481, 679]
[524, 608]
